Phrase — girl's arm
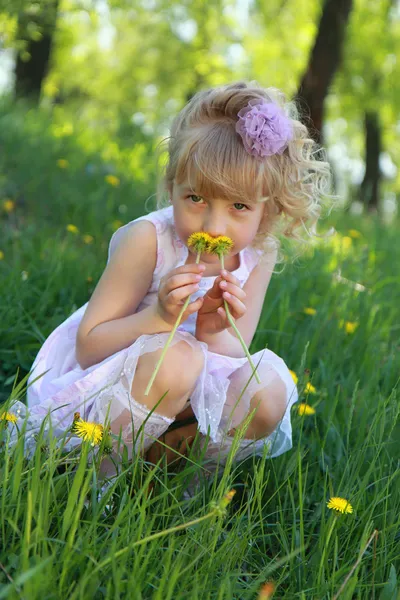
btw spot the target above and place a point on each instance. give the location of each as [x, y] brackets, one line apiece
[108, 338]
[110, 323]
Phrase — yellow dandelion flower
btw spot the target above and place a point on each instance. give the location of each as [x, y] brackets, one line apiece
[8, 206]
[340, 505]
[200, 241]
[294, 376]
[310, 311]
[310, 389]
[72, 228]
[220, 245]
[89, 279]
[1, 255]
[354, 233]
[116, 224]
[63, 163]
[6, 416]
[349, 326]
[88, 239]
[112, 180]
[89, 432]
[305, 409]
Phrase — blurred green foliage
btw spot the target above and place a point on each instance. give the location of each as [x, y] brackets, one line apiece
[128, 67]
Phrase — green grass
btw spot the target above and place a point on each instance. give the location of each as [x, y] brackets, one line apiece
[59, 541]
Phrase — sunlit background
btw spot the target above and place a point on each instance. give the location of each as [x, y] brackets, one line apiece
[124, 68]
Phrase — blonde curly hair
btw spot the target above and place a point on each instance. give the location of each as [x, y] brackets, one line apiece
[205, 149]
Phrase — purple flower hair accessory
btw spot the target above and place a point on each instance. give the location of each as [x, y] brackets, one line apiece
[264, 128]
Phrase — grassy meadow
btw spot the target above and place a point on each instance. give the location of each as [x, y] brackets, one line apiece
[332, 314]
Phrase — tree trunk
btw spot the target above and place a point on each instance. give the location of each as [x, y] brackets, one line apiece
[324, 61]
[30, 73]
[369, 190]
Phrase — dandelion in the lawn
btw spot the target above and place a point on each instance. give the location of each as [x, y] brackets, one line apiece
[199, 241]
[8, 206]
[88, 239]
[310, 389]
[354, 234]
[340, 505]
[310, 311]
[220, 246]
[9, 417]
[116, 224]
[62, 163]
[72, 228]
[112, 180]
[305, 409]
[89, 432]
[348, 326]
[1, 255]
[294, 376]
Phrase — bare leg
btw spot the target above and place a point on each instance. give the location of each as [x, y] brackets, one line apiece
[270, 405]
[179, 441]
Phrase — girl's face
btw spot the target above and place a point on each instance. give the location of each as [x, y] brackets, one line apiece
[216, 216]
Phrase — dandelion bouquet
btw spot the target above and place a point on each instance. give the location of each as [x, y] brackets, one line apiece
[203, 242]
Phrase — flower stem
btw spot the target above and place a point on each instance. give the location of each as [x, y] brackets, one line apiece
[241, 340]
[169, 340]
[325, 548]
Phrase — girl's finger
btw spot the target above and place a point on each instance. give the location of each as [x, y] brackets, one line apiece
[177, 281]
[222, 312]
[233, 289]
[194, 306]
[239, 308]
[179, 295]
[227, 276]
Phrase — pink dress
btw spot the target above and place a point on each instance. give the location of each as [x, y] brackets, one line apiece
[102, 392]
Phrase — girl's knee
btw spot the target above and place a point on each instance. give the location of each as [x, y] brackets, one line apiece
[269, 405]
[181, 367]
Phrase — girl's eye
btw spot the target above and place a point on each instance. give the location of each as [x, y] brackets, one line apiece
[238, 205]
[194, 196]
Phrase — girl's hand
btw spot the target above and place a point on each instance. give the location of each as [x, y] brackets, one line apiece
[174, 288]
[212, 317]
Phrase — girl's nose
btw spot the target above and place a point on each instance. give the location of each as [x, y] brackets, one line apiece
[215, 232]
[215, 228]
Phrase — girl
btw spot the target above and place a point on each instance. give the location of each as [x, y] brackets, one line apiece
[239, 164]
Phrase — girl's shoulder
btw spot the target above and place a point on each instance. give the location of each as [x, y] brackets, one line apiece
[161, 219]
[266, 255]
[252, 257]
